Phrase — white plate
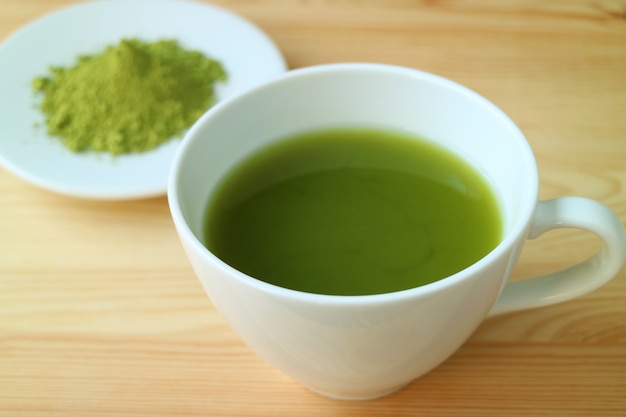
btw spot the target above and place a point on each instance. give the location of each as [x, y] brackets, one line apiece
[248, 55]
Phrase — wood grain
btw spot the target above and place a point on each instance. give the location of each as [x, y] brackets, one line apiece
[101, 315]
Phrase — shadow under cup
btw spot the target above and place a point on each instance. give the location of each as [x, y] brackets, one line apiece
[352, 346]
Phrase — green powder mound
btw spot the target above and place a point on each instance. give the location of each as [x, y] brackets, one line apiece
[130, 98]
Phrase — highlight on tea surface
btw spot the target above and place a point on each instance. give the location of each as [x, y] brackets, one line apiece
[130, 98]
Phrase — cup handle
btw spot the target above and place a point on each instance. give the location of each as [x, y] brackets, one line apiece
[572, 282]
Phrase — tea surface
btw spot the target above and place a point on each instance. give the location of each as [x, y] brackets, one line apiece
[352, 211]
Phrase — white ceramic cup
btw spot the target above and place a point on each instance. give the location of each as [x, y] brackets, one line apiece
[361, 347]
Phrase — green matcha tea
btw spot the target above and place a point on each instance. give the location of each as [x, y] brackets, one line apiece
[352, 211]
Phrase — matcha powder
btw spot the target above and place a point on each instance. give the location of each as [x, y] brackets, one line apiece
[130, 98]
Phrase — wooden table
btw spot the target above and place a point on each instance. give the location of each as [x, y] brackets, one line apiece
[101, 315]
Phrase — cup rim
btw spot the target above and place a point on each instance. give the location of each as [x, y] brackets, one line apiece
[517, 230]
